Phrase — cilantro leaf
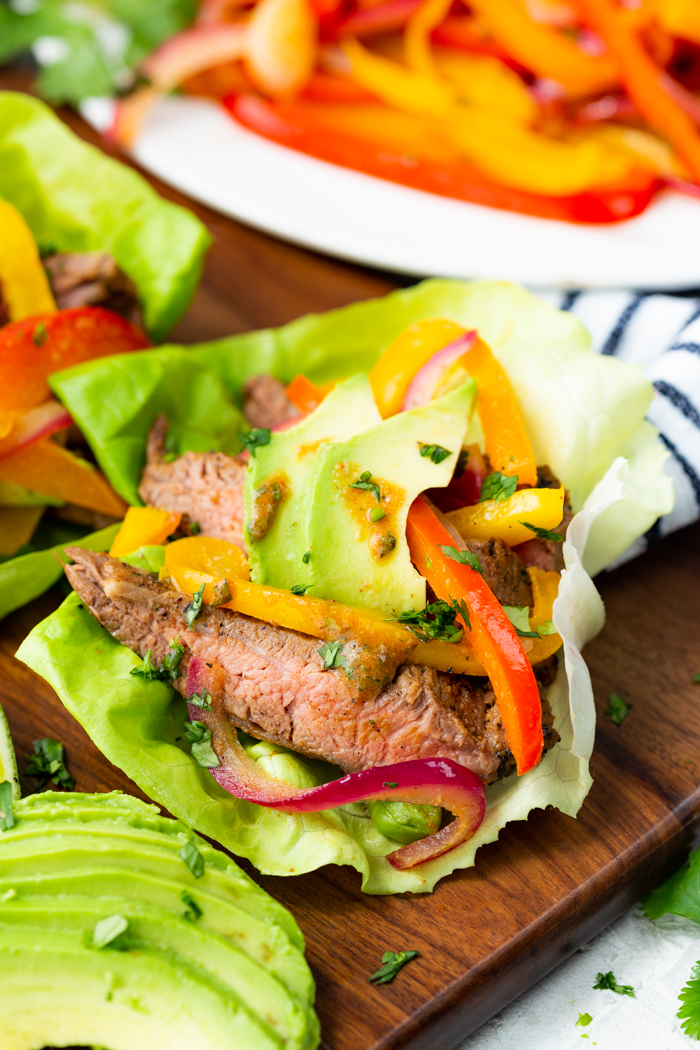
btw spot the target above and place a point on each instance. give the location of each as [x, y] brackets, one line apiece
[679, 894]
[696, 678]
[435, 453]
[192, 858]
[194, 528]
[107, 930]
[200, 739]
[8, 817]
[607, 981]
[463, 558]
[306, 558]
[519, 616]
[331, 654]
[195, 606]
[300, 588]
[255, 439]
[542, 534]
[194, 911]
[689, 1012]
[546, 628]
[436, 621]
[584, 1020]
[364, 482]
[169, 668]
[392, 963]
[39, 335]
[498, 486]
[47, 763]
[460, 608]
[617, 712]
[201, 699]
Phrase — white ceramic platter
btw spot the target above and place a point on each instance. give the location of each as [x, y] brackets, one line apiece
[196, 147]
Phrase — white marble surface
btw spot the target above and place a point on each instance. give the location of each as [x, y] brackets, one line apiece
[656, 958]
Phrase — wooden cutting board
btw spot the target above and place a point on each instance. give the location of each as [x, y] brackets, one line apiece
[549, 884]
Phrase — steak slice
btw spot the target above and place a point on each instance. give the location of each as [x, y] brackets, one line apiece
[503, 571]
[265, 402]
[547, 554]
[205, 487]
[92, 279]
[271, 681]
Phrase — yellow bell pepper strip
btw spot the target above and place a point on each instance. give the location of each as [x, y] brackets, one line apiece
[447, 656]
[645, 81]
[503, 519]
[143, 527]
[488, 84]
[412, 348]
[490, 632]
[404, 88]
[212, 558]
[416, 40]
[55, 472]
[545, 587]
[507, 444]
[304, 394]
[680, 18]
[24, 286]
[17, 525]
[545, 50]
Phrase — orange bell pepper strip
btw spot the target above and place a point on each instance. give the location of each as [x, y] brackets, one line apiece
[545, 587]
[545, 50]
[17, 525]
[645, 81]
[507, 444]
[25, 286]
[416, 40]
[304, 394]
[490, 632]
[53, 471]
[207, 556]
[412, 348]
[143, 527]
[503, 519]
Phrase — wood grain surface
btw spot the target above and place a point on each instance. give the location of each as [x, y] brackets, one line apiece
[549, 884]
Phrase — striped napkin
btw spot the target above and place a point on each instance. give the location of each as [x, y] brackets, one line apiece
[662, 334]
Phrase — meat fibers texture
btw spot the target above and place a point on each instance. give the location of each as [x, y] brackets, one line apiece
[265, 402]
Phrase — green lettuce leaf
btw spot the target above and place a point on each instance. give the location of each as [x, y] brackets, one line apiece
[77, 199]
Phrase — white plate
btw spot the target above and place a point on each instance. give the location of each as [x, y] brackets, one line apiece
[193, 145]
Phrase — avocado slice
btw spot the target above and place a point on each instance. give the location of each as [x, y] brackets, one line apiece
[364, 562]
[276, 541]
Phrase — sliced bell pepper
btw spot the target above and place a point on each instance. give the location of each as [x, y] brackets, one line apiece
[31, 349]
[17, 525]
[35, 425]
[55, 472]
[507, 444]
[379, 18]
[408, 90]
[416, 40]
[490, 632]
[647, 83]
[143, 527]
[215, 559]
[545, 587]
[680, 18]
[488, 84]
[304, 394]
[406, 355]
[503, 519]
[24, 285]
[464, 489]
[465, 34]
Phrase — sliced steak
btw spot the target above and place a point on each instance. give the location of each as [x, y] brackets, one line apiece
[92, 279]
[547, 554]
[272, 683]
[205, 487]
[503, 571]
[265, 402]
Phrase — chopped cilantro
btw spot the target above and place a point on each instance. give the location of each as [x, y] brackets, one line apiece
[200, 739]
[39, 335]
[519, 616]
[169, 668]
[306, 558]
[689, 1012]
[194, 911]
[435, 453]
[201, 699]
[584, 1020]
[364, 482]
[108, 929]
[696, 677]
[47, 763]
[195, 607]
[460, 608]
[390, 784]
[463, 558]
[195, 528]
[222, 594]
[607, 981]
[192, 858]
[376, 514]
[617, 712]
[8, 818]
[332, 655]
[392, 962]
[255, 439]
[170, 457]
[498, 486]
[546, 628]
[436, 621]
[387, 545]
[542, 534]
[300, 588]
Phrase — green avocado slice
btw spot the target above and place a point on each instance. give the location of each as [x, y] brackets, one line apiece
[355, 558]
[250, 985]
[276, 554]
[58, 992]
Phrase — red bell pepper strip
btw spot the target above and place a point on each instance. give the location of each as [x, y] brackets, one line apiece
[304, 394]
[488, 630]
[309, 128]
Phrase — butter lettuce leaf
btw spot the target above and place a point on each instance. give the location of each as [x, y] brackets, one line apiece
[77, 199]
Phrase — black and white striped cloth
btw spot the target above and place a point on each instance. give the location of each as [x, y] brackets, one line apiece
[662, 334]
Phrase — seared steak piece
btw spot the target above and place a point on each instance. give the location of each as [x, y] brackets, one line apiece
[547, 554]
[92, 279]
[503, 571]
[265, 402]
[205, 487]
[272, 684]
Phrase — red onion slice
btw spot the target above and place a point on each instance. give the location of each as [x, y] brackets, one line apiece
[426, 781]
[35, 425]
[423, 385]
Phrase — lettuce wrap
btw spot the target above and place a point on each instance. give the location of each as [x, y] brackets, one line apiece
[76, 199]
[585, 417]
